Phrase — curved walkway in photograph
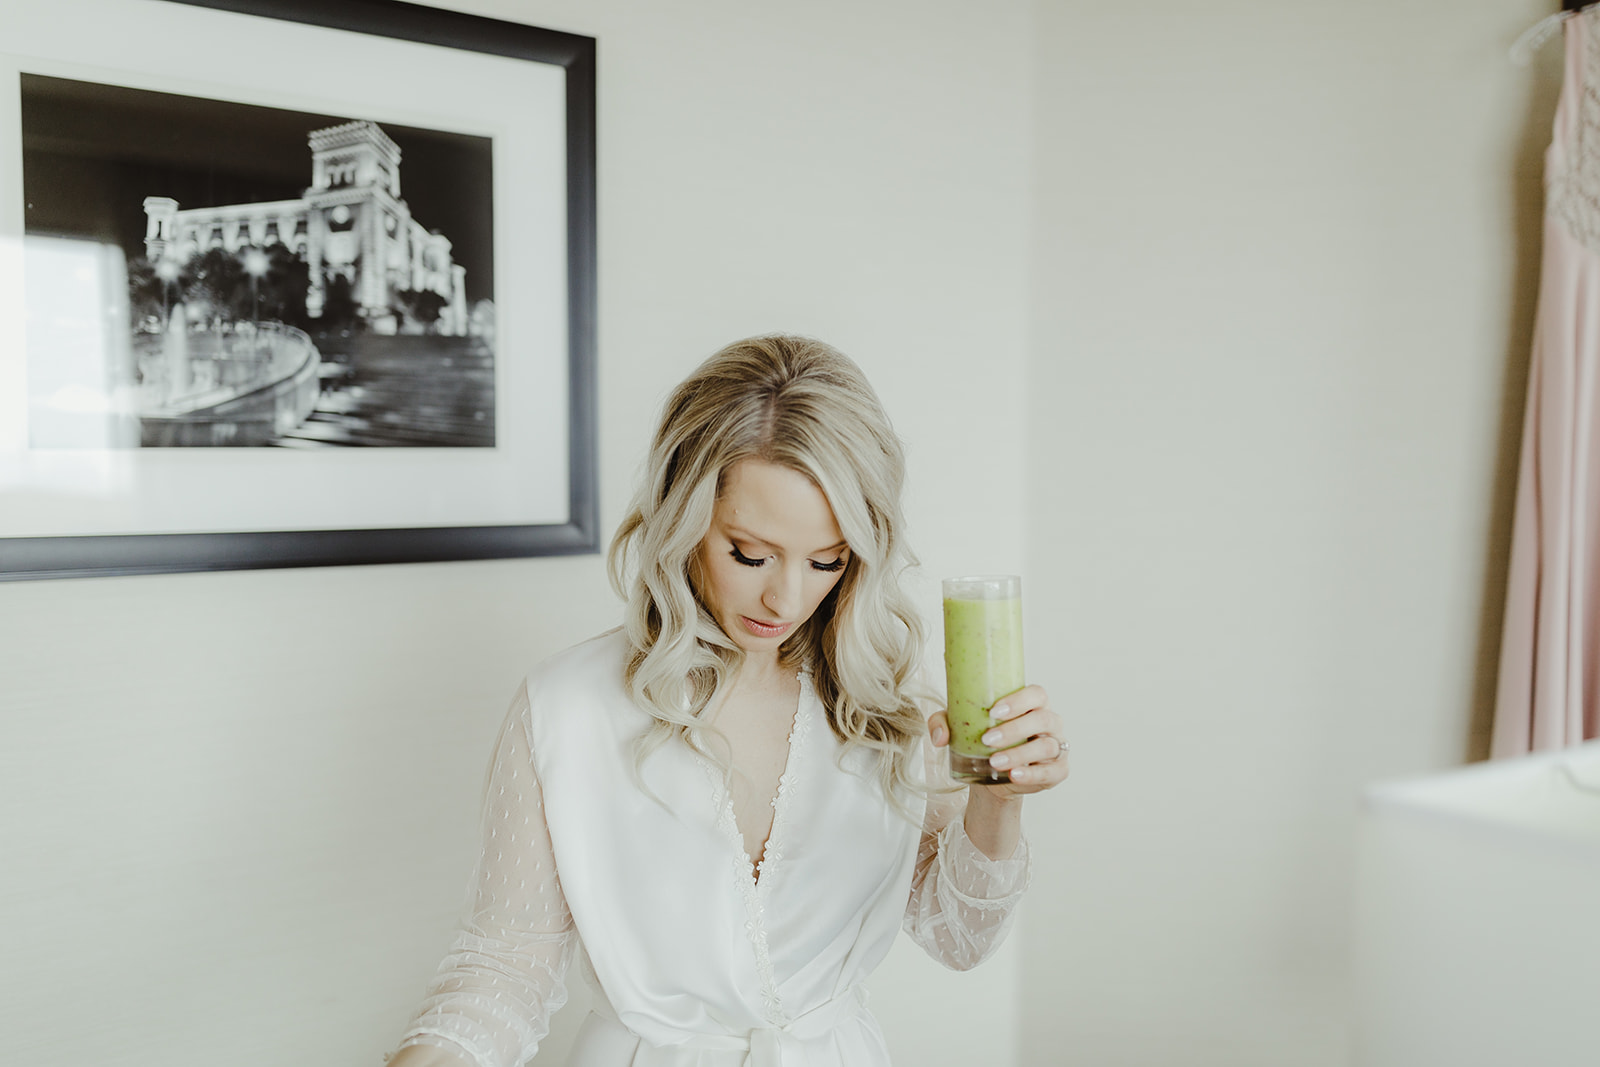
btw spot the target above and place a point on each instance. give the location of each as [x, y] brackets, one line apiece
[267, 382]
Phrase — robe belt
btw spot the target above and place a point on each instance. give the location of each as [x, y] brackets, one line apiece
[766, 1046]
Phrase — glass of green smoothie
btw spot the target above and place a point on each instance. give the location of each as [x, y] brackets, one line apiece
[982, 663]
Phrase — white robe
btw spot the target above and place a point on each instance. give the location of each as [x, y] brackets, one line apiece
[694, 962]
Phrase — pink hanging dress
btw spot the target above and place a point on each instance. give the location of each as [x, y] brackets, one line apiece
[1547, 695]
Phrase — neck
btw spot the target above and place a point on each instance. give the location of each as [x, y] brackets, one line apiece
[761, 668]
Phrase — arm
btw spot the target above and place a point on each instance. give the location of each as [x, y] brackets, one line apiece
[490, 1002]
[961, 900]
[971, 871]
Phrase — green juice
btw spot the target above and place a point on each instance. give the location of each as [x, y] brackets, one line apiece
[982, 662]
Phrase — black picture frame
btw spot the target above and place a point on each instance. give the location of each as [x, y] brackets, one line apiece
[90, 555]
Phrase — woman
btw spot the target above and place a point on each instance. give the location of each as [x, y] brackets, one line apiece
[720, 808]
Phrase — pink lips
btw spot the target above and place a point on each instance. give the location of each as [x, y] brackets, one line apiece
[763, 629]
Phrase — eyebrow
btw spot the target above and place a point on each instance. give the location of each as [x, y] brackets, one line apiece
[746, 535]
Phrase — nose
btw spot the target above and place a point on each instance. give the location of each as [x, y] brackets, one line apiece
[782, 595]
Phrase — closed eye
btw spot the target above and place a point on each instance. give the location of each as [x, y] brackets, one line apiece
[829, 568]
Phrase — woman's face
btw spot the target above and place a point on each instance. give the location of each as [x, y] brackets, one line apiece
[773, 552]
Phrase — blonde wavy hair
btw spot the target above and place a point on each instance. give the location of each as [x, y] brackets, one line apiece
[801, 404]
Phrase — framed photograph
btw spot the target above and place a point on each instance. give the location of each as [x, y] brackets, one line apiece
[292, 283]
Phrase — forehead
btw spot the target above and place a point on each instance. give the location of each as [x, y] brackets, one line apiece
[779, 505]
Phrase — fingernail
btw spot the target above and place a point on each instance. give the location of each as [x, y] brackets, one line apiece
[999, 759]
[1000, 712]
[991, 738]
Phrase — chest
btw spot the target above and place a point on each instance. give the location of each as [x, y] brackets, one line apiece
[662, 897]
[758, 732]
[660, 840]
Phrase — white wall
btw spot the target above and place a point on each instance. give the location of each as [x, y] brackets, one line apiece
[238, 809]
[1258, 384]
[1283, 281]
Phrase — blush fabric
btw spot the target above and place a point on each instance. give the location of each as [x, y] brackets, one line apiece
[697, 957]
[1550, 646]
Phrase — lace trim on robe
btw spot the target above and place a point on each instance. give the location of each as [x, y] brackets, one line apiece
[783, 800]
[744, 872]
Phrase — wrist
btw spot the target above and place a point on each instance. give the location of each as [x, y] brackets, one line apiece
[994, 797]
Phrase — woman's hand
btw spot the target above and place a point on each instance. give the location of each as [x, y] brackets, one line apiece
[1028, 735]
[426, 1056]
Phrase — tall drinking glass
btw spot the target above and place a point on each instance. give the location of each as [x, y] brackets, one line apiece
[982, 663]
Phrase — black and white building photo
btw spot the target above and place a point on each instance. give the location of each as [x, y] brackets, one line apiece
[276, 278]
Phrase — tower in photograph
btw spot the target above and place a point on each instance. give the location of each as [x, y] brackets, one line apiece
[352, 223]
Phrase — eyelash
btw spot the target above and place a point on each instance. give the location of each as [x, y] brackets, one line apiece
[829, 568]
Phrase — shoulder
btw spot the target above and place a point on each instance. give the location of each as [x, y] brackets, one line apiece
[588, 677]
[591, 668]
[584, 660]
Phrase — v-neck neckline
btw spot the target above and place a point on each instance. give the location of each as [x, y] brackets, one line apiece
[772, 847]
[756, 875]
[754, 881]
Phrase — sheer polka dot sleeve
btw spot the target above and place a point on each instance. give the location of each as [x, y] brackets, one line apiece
[962, 902]
[504, 976]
